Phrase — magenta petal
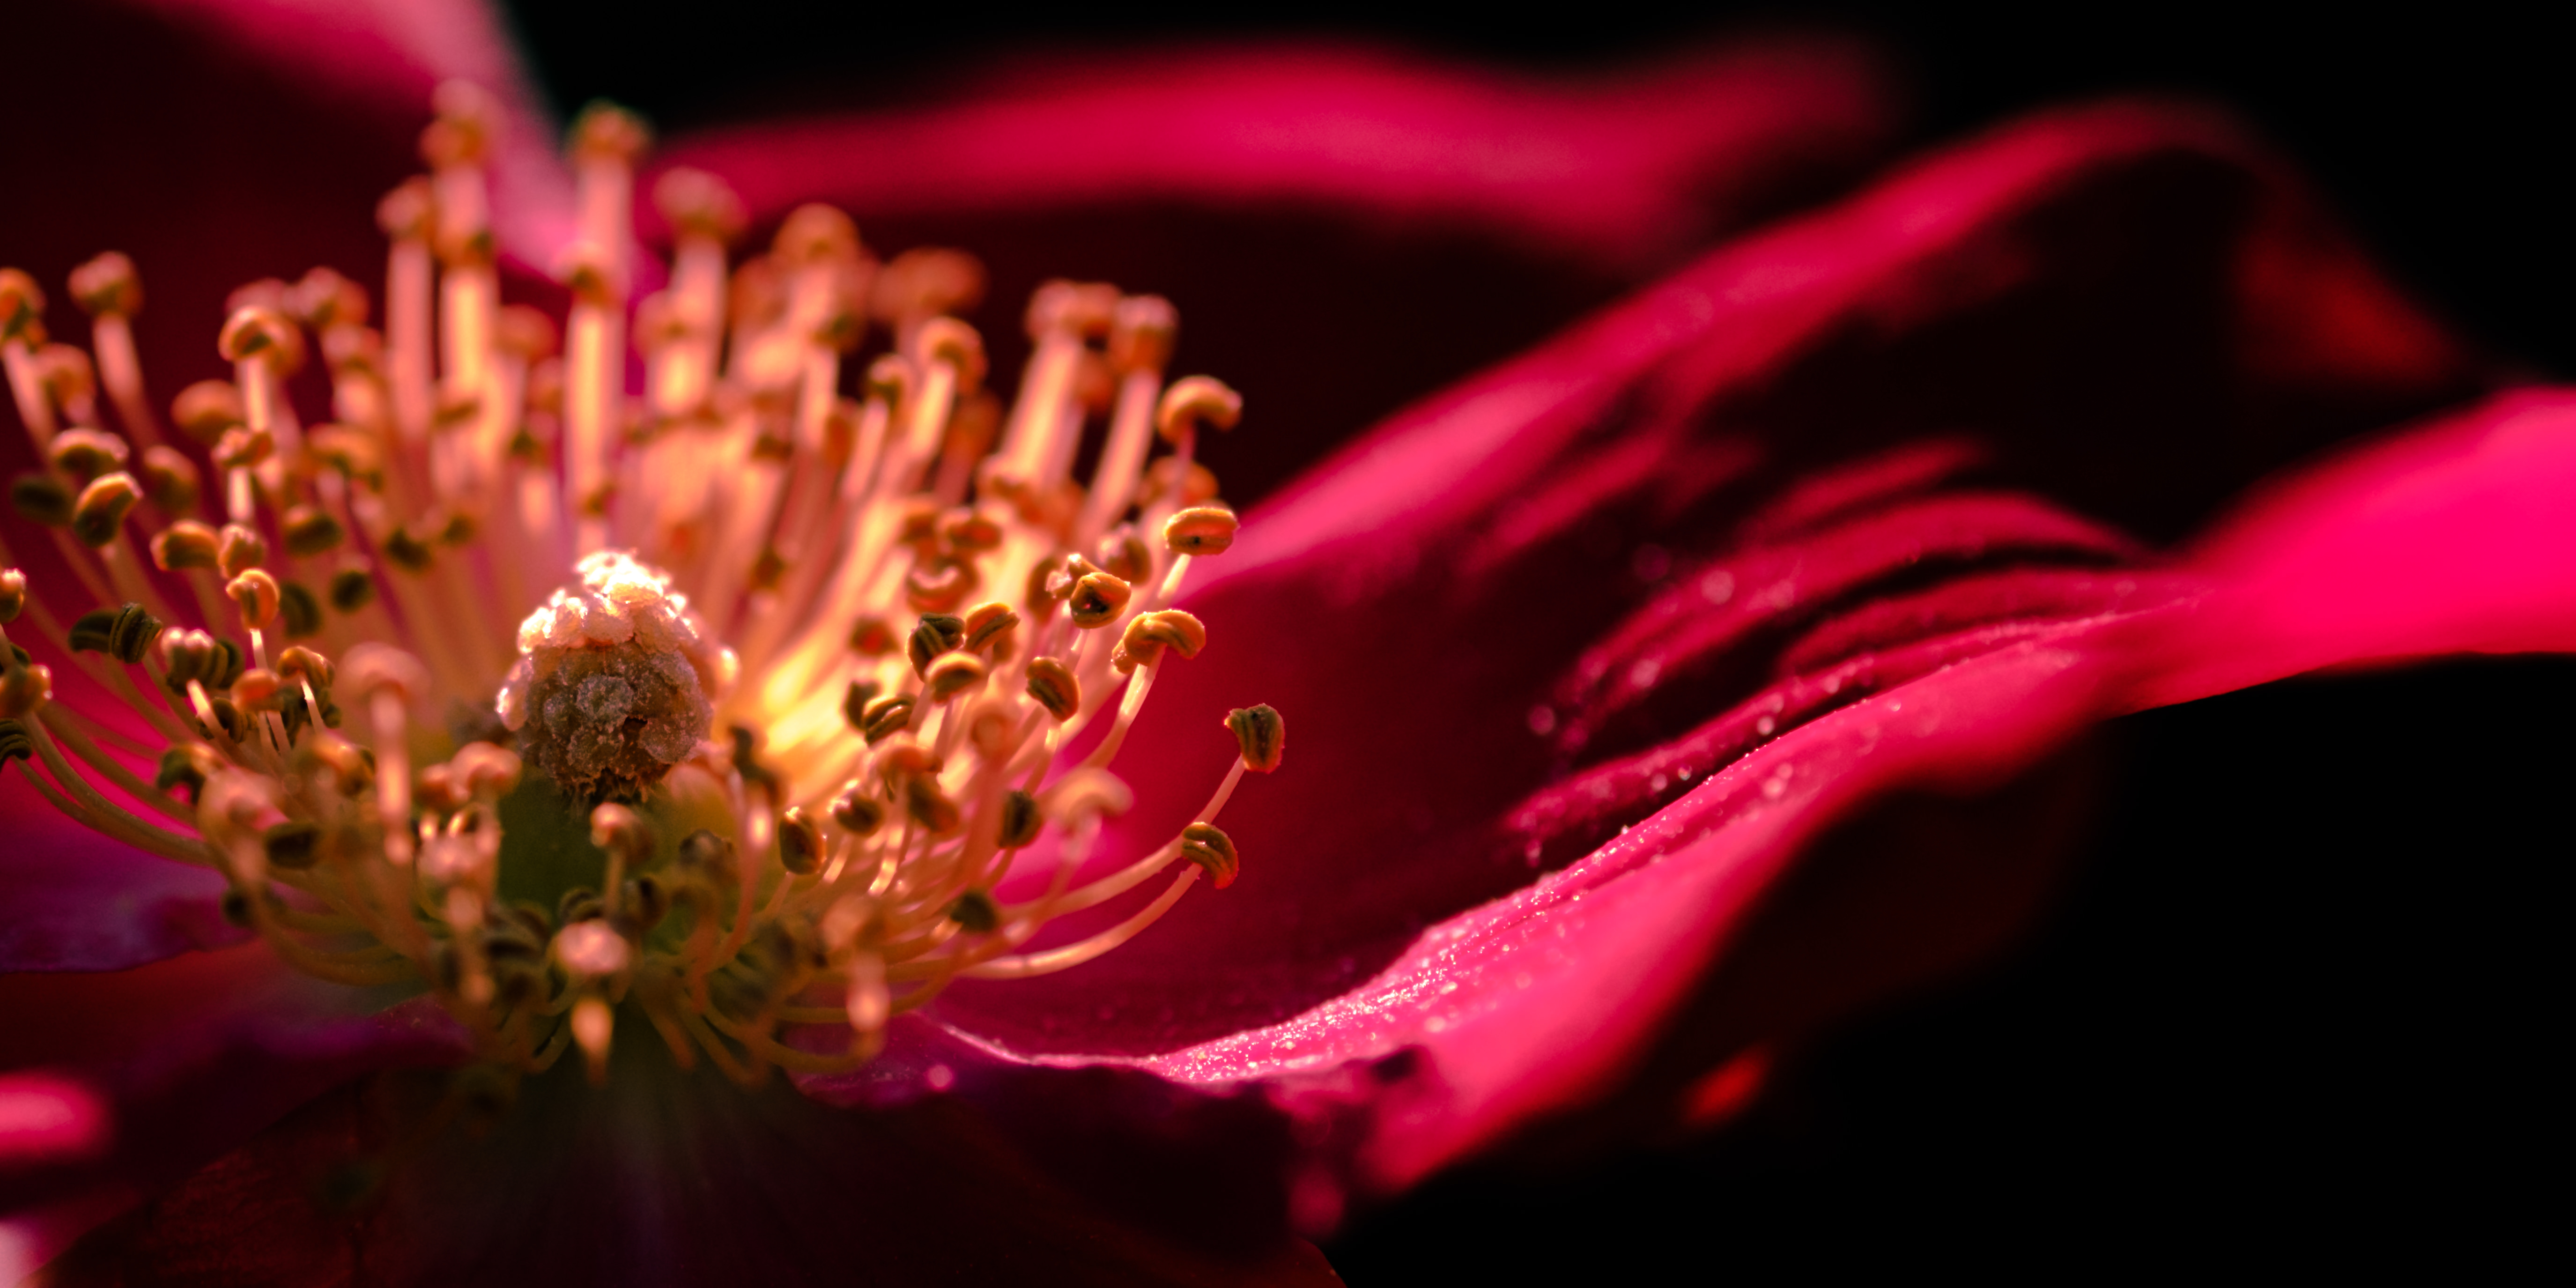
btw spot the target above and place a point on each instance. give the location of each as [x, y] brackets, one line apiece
[1623, 171]
[2456, 537]
[1538, 998]
[2130, 305]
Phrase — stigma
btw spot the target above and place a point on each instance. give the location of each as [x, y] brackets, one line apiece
[823, 663]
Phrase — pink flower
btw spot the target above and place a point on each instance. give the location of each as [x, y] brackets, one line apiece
[1857, 518]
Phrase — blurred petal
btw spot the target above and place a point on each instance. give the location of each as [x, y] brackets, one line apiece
[2455, 537]
[192, 1056]
[2093, 296]
[1625, 170]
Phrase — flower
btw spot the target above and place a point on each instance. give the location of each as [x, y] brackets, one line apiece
[1594, 776]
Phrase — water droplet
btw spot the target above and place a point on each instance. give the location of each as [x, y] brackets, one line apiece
[1643, 674]
[1766, 726]
[1542, 720]
[1717, 586]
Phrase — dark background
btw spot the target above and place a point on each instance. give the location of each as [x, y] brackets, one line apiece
[2288, 1009]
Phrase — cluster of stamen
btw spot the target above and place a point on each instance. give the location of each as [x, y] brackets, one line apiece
[800, 703]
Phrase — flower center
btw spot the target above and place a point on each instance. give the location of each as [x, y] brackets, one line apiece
[799, 705]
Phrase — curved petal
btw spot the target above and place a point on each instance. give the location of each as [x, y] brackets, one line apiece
[1410, 607]
[2455, 537]
[2095, 294]
[1624, 170]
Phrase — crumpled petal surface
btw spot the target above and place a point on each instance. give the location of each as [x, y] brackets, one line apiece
[2131, 308]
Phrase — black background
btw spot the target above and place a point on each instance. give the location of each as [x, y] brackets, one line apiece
[2288, 1011]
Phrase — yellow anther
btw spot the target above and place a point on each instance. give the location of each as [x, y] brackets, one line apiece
[1210, 848]
[310, 530]
[66, 374]
[855, 700]
[1086, 792]
[188, 765]
[257, 689]
[924, 282]
[371, 668]
[185, 544]
[967, 532]
[1200, 530]
[1083, 308]
[698, 203]
[886, 717]
[323, 299]
[1193, 401]
[102, 508]
[13, 594]
[935, 634]
[592, 948]
[525, 333]
[206, 409]
[238, 550]
[490, 772]
[169, 479]
[257, 331]
[349, 451]
[22, 307]
[953, 674]
[815, 233]
[587, 270]
[955, 343]
[306, 666]
[1052, 685]
[1141, 333]
[1122, 555]
[108, 286]
[1020, 820]
[255, 593]
[1149, 634]
[937, 584]
[23, 688]
[352, 768]
[41, 498]
[976, 913]
[1260, 734]
[1097, 600]
[242, 447]
[929, 806]
[989, 630]
[621, 832]
[858, 813]
[992, 727]
[122, 633]
[800, 842]
[607, 132]
[871, 637]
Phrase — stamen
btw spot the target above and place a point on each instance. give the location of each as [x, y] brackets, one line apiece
[924, 626]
